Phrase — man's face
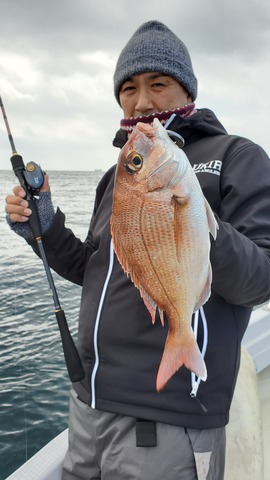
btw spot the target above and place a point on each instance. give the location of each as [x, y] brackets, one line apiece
[151, 92]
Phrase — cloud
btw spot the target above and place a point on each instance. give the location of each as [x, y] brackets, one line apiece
[57, 60]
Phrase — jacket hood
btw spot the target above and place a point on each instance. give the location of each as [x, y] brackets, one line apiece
[201, 124]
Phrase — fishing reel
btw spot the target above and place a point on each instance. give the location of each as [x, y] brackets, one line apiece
[34, 177]
[31, 175]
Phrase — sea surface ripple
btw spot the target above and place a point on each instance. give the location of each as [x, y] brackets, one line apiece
[34, 385]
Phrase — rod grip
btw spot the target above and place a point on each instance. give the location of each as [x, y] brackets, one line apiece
[73, 361]
[34, 220]
[18, 168]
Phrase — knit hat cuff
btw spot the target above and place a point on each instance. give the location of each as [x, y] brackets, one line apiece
[179, 71]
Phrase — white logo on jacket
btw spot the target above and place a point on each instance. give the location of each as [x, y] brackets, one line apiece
[214, 167]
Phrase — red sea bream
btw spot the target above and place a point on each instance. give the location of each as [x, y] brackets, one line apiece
[160, 227]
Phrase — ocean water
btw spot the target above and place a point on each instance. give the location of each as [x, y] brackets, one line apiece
[34, 384]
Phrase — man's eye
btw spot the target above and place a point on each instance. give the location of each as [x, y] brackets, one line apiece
[158, 84]
[127, 88]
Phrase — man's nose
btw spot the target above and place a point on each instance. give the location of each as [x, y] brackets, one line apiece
[144, 103]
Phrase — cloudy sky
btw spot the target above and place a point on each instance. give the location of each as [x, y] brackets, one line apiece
[57, 60]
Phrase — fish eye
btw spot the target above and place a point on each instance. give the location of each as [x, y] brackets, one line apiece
[134, 162]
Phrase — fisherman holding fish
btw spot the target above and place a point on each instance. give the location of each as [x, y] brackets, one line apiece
[177, 254]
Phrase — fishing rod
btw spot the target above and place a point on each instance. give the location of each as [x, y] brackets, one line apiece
[31, 178]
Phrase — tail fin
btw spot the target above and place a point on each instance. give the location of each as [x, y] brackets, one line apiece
[177, 353]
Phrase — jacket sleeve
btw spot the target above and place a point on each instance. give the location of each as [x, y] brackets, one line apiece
[67, 255]
[240, 256]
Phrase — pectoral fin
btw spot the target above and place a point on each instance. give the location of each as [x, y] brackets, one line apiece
[180, 199]
[181, 194]
[206, 292]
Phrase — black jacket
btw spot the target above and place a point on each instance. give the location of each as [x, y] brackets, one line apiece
[119, 347]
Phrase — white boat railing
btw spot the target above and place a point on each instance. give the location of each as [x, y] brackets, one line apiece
[257, 336]
[45, 464]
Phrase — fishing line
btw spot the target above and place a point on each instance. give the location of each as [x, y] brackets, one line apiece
[23, 387]
[24, 414]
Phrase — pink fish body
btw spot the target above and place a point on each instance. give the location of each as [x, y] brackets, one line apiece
[160, 227]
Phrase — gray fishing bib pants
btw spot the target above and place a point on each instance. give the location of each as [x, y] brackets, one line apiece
[103, 446]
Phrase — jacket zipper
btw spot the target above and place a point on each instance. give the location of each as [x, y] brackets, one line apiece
[97, 321]
[195, 381]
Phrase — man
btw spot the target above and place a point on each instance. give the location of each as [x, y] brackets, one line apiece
[119, 426]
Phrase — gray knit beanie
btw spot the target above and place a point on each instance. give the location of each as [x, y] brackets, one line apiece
[155, 48]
